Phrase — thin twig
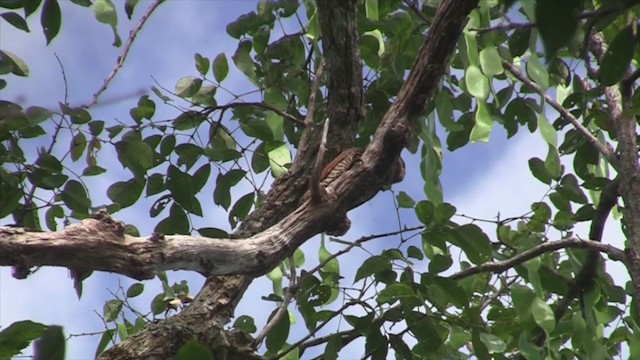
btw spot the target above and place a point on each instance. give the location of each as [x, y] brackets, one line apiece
[359, 242]
[586, 134]
[262, 105]
[499, 266]
[125, 51]
[517, 26]
[311, 333]
[283, 309]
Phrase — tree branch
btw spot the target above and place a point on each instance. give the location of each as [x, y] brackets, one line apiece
[125, 52]
[586, 134]
[262, 105]
[585, 279]
[619, 101]
[500, 266]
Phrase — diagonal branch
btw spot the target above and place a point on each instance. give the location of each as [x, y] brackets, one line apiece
[125, 52]
[504, 265]
[586, 134]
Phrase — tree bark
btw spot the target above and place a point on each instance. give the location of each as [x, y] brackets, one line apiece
[213, 307]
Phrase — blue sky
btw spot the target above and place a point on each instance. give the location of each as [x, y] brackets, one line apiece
[481, 180]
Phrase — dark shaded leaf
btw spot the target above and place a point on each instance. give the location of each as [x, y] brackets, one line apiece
[16, 20]
[556, 22]
[51, 345]
[75, 197]
[618, 56]
[125, 193]
[50, 19]
[192, 350]
[18, 336]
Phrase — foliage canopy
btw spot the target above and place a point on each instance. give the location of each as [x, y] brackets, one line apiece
[533, 287]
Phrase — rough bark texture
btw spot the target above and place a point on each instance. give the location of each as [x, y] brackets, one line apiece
[619, 101]
[213, 306]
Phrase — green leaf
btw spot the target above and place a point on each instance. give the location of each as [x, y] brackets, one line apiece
[241, 209]
[188, 154]
[213, 233]
[105, 340]
[176, 223]
[259, 160]
[192, 350]
[490, 61]
[440, 263]
[78, 144]
[618, 56]
[549, 133]
[543, 315]
[454, 291]
[474, 242]
[181, 187]
[556, 22]
[246, 324]
[14, 63]
[371, 9]
[50, 19]
[278, 335]
[129, 5]
[494, 344]
[244, 62]
[537, 72]
[75, 197]
[425, 211]
[145, 109]
[477, 84]
[333, 266]
[15, 20]
[372, 266]
[395, 291]
[85, 3]
[18, 336]
[112, 309]
[125, 193]
[257, 128]
[484, 123]
[51, 345]
[135, 289]
[30, 7]
[570, 189]
[404, 200]
[188, 86]
[539, 170]
[552, 163]
[224, 182]
[135, 154]
[279, 158]
[220, 67]
[188, 120]
[51, 215]
[106, 13]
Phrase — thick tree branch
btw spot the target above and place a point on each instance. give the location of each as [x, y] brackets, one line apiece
[341, 52]
[214, 305]
[586, 134]
[587, 275]
[504, 265]
[619, 101]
